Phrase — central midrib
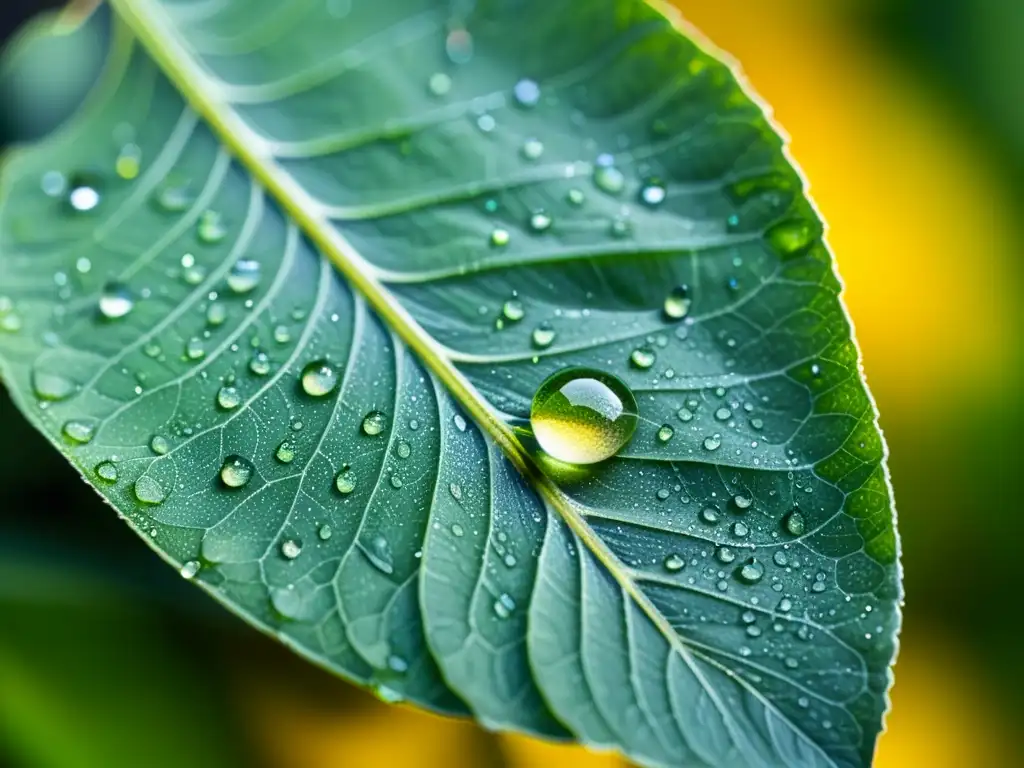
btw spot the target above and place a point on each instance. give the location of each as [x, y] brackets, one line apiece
[155, 30]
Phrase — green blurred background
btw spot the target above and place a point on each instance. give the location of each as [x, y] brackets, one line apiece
[908, 118]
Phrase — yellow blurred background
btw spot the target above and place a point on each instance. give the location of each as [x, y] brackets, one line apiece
[918, 171]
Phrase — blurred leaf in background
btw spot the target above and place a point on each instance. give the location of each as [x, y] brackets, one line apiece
[907, 117]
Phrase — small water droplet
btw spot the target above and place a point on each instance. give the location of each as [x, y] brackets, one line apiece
[396, 482]
[665, 433]
[677, 303]
[228, 398]
[458, 531]
[319, 379]
[210, 228]
[195, 349]
[236, 471]
[439, 84]
[499, 237]
[281, 334]
[244, 276]
[53, 183]
[397, 664]
[513, 310]
[149, 491]
[129, 162]
[583, 416]
[532, 149]
[724, 555]
[106, 470]
[642, 358]
[115, 301]
[684, 414]
[741, 502]
[374, 423]
[259, 364]
[540, 221]
[403, 449]
[456, 491]
[190, 569]
[543, 335]
[379, 553]
[78, 431]
[460, 423]
[324, 532]
[159, 445]
[750, 572]
[608, 178]
[459, 46]
[712, 443]
[575, 197]
[674, 563]
[285, 452]
[504, 605]
[723, 414]
[345, 481]
[652, 193]
[740, 530]
[84, 193]
[780, 558]
[709, 515]
[174, 198]
[291, 548]
[526, 92]
[794, 522]
[216, 313]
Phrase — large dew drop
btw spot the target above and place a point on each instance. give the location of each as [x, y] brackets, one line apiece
[583, 416]
[115, 301]
[236, 471]
[319, 379]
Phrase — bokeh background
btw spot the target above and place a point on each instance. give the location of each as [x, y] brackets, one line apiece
[908, 118]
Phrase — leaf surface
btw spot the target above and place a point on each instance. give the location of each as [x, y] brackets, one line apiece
[287, 297]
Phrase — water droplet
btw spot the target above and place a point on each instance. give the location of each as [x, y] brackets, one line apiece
[374, 423]
[677, 303]
[115, 301]
[83, 193]
[259, 363]
[291, 548]
[723, 414]
[106, 470]
[456, 491]
[210, 228]
[10, 322]
[583, 416]
[674, 563]
[608, 178]
[324, 532]
[740, 530]
[684, 414]
[460, 423]
[575, 197]
[236, 471]
[51, 386]
[785, 605]
[78, 431]
[459, 46]
[345, 481]
[712, 443]
[741, 502]
[228, 398]
[652, 193]
[285, 452]
[53, 183]
[403, 449]
[526, 92]
[724, 555]
[458, 531]
[663, 494]
[485, 123]
[665, 433]
[396, 482]
[244, 276]
[190, 569]
[216, 313]
[83, 265]
[709, 515]
[319, 379]
[642, 358]
[149, 491]
[543, 335]
[129, 161]
[174, 198]
[159, 445]
[499, 237]
[281, 334]
[790, 237]
[621, 226]
[794, 522]
[397, 664]
[513, 311]
[439, 84]
[379, 553]
[751, 571]
[540, 221]
[780, 558]
[504, 606]
[195, 349]
[532, 149]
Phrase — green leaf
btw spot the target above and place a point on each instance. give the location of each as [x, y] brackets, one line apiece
[367, 232]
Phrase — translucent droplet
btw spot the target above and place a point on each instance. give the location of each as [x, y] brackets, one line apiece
[459, 46]
[195, 349]
[374, 423]
[324, 532]
[791, 237]
[106, 470]
[291, 548]
[403, 449]
[216, 313]
[281, 334]
[543, 335]
[723, 414]
[674, 563]
[458, 531]
[285, 452]
[504, 605]
[460, 422]
[129, 161]
[439, 84]
[397, 664]
[499, 237]
[663, 494]
[379, 553]
[751, 571]
[190, 569]
[396, 482]
[540, 221]
[159, 445]
[684, 414]
[78, 431]
[236, 471]
[794, 522]
[677, 303]
[780, 558]
[620, 227]
[652, 193]
[345, 481]
[319, 379]
[10, 322]
[712, 443]
[513, 311]
[228, 398]
[174, 198]
[259, 363]
[53, 183]
[210, 228]
[532, 149]
[575, 197]
[456, 491]
[741, 502]
[642, 358]
[609, 179]
[51, 386]
[724, 555]
[709, 515]
[244, 276]
[115, 301]
[83, 193]
[583, 416]
[740, 530]
[149, 491]
[83, 265]
[665, 433]
[526, 92]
